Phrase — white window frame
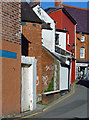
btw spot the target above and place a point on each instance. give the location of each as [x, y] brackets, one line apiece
[82, 38]
[82, 52]
[68, 39]
[58, 39]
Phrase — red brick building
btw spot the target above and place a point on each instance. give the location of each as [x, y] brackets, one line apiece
[65, 21]
[10, 57]
[31, 39]
[82, 38]
[32, 47]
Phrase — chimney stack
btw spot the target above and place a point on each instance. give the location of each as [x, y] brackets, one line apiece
[33, 2]
[58, 3]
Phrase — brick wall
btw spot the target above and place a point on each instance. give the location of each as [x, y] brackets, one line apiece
[11, 21]
[32, 39]
[47, 69]
[79, 44]
[10, 40]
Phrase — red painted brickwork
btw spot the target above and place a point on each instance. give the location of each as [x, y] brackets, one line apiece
[47, 69]
[62, 21]
[57, 17]
[11, 21]
[71, 29]
[32, 36]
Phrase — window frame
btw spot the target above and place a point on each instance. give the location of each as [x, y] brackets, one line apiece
[82, 38]
[57, 38]
[68, 39]
[82, 53]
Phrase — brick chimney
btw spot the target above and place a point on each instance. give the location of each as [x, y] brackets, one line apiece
[58, 3]
[33, 2]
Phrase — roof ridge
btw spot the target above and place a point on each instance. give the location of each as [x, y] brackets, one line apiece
[75, 7]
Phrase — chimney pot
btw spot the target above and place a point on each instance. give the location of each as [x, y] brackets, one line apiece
[33, 2]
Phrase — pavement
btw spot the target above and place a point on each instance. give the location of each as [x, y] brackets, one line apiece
[42, 108]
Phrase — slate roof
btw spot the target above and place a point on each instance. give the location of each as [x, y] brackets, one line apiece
[27, 14]
[81, 16]
[53, 9]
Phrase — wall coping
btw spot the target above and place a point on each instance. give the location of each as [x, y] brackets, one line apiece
[51, 92]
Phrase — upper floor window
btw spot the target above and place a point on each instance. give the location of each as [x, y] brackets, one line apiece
[39, 11]
[82, 52]
[57, 39]
[82, 38]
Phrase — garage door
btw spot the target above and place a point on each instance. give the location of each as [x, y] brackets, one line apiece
[63, 78]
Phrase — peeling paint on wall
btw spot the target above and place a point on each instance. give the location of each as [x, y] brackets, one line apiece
[50, 67]
[45, 79]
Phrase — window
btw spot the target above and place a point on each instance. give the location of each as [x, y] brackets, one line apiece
[57, 39]
[82, 38]
[82, 52]
[68, 40]
[39, 11]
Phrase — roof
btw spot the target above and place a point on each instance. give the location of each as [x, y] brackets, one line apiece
[57, 56]
[46, 26]
[54, 9]
[81, 16]
[27, 14]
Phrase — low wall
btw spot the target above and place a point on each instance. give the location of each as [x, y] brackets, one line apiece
[50, 96]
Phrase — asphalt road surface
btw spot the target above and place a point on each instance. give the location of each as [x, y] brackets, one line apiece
[75, 106]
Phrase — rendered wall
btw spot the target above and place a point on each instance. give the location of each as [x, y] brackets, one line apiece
[11, 79]
[47, 19]
[62, 40]
[10, 55]
[47, 39]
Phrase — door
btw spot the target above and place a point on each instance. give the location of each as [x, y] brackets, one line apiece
[25, 90]
[63, 78]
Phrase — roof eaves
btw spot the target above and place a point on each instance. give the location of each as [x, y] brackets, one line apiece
[60, 30]
[31, 21]
[53, 10]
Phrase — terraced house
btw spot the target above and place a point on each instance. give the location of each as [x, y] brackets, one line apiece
[82, 39]
[65, 21]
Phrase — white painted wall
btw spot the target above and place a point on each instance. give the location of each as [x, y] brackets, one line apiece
[48, 40]
[63, 78]
[28, 89]
[50, 33]
[62, 40]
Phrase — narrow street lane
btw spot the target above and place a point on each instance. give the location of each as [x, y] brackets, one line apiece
[75, 106]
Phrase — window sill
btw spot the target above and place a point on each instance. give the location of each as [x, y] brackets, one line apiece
[83, 42]
[82, 58]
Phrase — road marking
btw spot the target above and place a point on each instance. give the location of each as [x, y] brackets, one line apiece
[31, 115]
[50, 105]
[60, 100]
